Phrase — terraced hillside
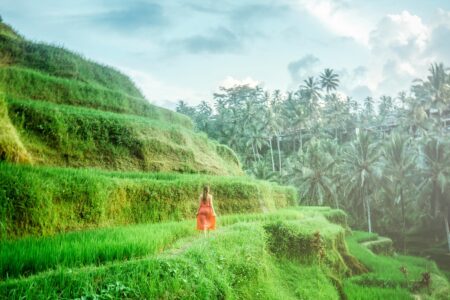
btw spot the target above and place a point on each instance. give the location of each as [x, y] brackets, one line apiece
[80, 147]
[297, 253]
[61, 109]
[98, 189]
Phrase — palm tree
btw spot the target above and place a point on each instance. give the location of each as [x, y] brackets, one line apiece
[435, 90]
[272, 127]
[260, 170]
[277, 105]
[310, 92]
[414, 118]
[311, 89]
[256, 133]
[184, 108]
[329, 80]
[369, 106]
[435, 165]
[295, 111]
[333, 110]
[360, 164]
[386, 105]
[398, 167]
[313, 174]
[203, 115]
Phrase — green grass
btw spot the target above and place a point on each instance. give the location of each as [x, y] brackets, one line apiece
[36, 254]
[11, 147]
[8, 31]
[57, 61]
[233, 263]
[358, 292]
[43, 201]
[31, 255]
[81, 137]
[384, 271]
[95, 117]
[294, 281]
[447, 274]
[29, 84]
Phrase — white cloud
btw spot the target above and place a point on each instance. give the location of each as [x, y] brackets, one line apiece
[339, 18]
[305, 67]
[402, 34]
[230, 82]
[161, 93]
[399, 46]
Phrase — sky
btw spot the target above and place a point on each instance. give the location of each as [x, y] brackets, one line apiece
[185, 50]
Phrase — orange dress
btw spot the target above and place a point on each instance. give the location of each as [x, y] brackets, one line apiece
[205, 217]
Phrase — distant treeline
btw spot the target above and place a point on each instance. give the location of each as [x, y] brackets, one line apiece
[386, 161]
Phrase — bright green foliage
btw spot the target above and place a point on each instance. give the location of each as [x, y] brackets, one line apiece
[236, 262]
[60, 62]
[31, 255]
[314, 176]
[11, 147]
[7, 31]
[360, 292]
[82, 137]
[295, 281]
[29, 84]
[381, 246]
[64, 110]
[388, 167]
[38, 200]
[233, 263]
[386, 271]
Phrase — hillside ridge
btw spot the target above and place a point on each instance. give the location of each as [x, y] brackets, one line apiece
[46, 92]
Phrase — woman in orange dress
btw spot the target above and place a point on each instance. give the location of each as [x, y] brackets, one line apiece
[206, 216]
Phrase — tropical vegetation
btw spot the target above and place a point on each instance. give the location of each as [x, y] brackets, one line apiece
[385, 161]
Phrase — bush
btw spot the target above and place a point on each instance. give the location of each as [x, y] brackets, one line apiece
[382, 246]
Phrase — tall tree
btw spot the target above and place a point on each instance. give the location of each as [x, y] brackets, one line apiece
[313, 173]
[398, 166]
[310, 93]
[435, 90]
[329, 80]
[360, 164]
[435, 163]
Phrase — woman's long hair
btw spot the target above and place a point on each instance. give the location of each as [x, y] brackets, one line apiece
[205, 193]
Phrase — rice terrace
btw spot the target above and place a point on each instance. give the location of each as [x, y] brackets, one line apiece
[225, 149]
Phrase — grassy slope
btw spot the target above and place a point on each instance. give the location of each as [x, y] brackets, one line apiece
[11, 147]
[63, 135]
[385, 272]
[42, 200]
[235, 262]
[31, 84]
[57, 61]
[64, 110]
